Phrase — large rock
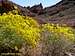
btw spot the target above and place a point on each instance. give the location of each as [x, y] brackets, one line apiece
[37, 9]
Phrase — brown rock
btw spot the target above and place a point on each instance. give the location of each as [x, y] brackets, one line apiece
[37, 9]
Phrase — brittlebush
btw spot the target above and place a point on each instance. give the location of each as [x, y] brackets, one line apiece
[63, 31]
[16, 30]
[57, 39]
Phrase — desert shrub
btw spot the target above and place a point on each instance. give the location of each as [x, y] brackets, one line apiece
[65, 31]
[15, 30]
[56, 40]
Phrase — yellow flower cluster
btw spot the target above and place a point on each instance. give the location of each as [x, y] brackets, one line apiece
[25, 27]
[62, 31]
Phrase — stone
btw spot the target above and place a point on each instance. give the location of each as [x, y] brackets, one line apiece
[37, 8]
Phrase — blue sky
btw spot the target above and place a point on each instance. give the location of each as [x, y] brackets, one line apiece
[45, 3]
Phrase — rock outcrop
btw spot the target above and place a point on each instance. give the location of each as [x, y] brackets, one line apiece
[6, 5]
[60, 13]
[37, 9]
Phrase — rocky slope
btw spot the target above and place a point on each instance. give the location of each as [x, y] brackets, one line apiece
[61, 13]
[6, 5]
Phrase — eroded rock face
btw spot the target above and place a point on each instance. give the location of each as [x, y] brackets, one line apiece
[5, 5]
[37, 9]
[61, 13]
[61, 6]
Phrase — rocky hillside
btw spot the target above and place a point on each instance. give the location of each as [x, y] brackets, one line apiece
[6, 5]
[60, 13]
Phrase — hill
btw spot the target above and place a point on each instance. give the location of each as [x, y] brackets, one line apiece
[60, 13]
